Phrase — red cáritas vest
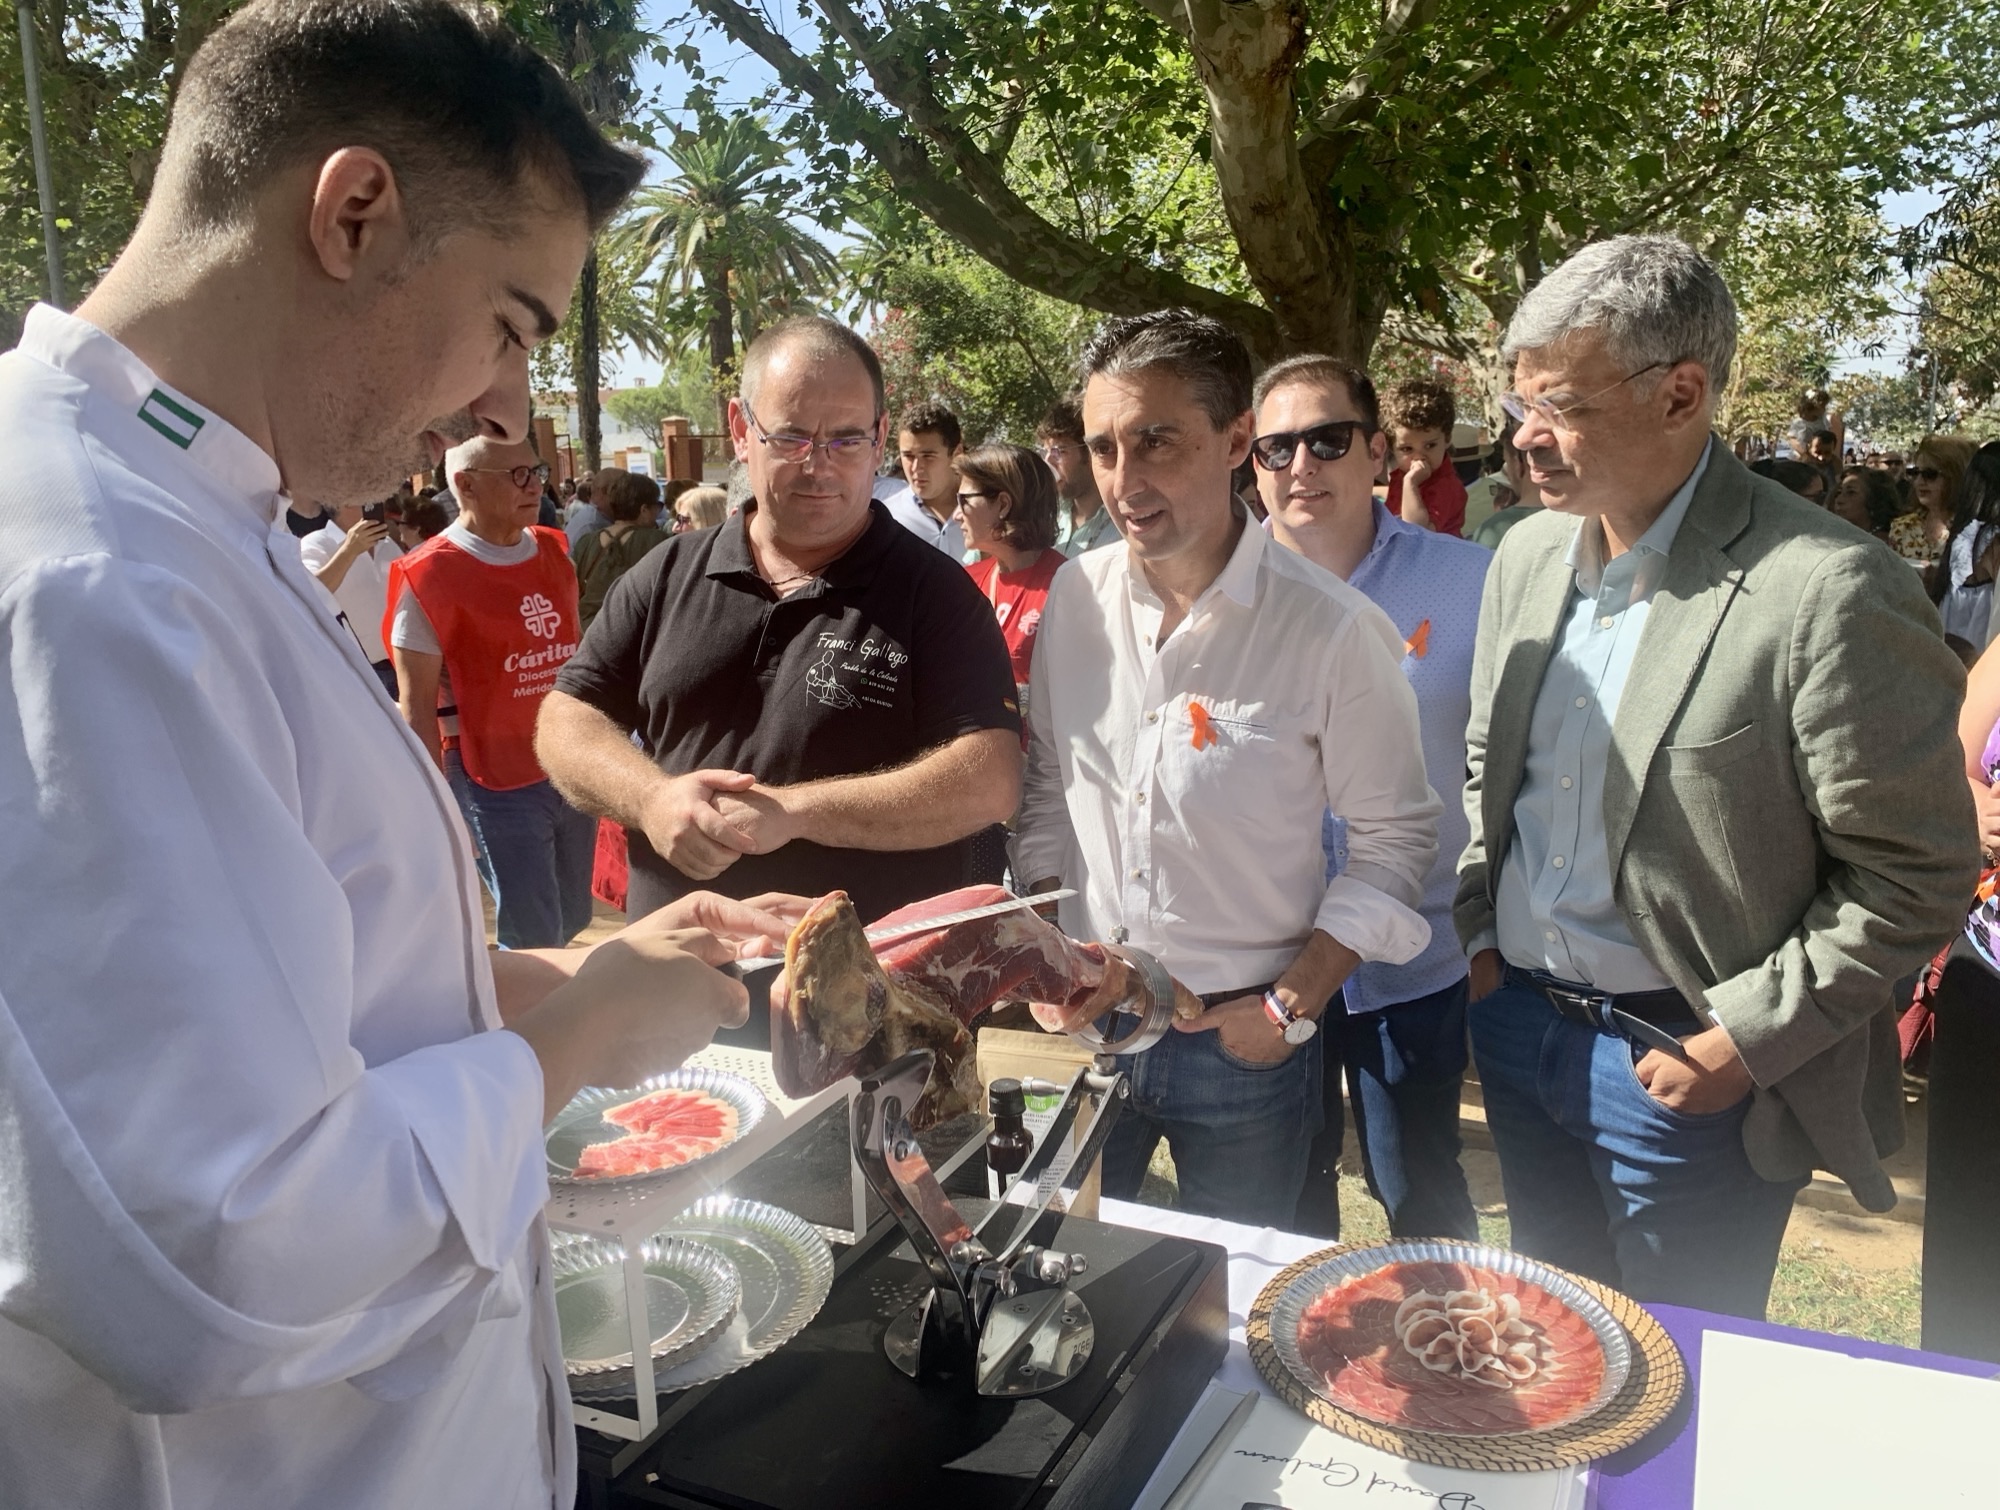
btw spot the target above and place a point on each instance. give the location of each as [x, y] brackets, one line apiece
[505, 632]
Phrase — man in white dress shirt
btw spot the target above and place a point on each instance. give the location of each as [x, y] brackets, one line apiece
[1200, 697]
[271, 1172]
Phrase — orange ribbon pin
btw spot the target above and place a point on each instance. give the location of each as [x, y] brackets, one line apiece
[1419, 642]
[1204, 727]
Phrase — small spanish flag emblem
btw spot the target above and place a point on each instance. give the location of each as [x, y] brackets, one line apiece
[1419, 642]
[1204, 727]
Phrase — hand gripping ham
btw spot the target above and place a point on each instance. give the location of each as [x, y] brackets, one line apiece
[840, 1008]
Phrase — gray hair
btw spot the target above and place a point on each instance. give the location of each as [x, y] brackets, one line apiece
[1205, 354]
[1654, 299]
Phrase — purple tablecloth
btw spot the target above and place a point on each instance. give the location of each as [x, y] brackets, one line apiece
[1658, 1473]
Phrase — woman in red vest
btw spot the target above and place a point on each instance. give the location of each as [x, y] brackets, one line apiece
[1007, 507]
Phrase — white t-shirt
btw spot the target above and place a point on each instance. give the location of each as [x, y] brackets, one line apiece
[363, 593]
[271, 1178]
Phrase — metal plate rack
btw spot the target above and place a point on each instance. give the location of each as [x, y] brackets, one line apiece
[629, 1215]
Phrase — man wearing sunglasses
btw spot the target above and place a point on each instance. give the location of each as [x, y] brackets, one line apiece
[1396, 1030]
[819, 694]
[480, 621]
[1199, 697]
[1717, 804]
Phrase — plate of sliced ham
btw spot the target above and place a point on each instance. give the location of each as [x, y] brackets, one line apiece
[659, 1127]
[1450, 1339]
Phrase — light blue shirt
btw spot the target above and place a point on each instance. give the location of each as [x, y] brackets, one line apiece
[1419, 578]
[1095, 531]
[1556, 908]
[908, 510]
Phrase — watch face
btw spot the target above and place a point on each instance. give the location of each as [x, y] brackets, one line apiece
[1300, 1030]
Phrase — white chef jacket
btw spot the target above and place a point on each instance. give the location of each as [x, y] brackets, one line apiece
[363, 594]
[270, 1182]
[1209, 856]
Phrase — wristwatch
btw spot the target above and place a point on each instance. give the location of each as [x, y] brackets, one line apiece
[1298, 1029]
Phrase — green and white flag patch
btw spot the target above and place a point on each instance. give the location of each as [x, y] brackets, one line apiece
[171, 418]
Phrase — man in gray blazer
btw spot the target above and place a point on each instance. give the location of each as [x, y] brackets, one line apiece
[1717, 807]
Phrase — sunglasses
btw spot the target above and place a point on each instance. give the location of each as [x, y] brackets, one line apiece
[1926, 474]
[1328, 442]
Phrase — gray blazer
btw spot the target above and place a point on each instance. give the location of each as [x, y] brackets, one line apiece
[1789, 823]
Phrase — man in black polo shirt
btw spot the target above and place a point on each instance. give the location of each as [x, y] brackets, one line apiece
[822, 700]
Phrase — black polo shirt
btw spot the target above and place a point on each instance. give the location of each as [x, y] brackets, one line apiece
[891, 653]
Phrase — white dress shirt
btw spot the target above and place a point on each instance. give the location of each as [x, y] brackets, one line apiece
[270, 1182]
[363, 594]
[1557, 904]
[1210, 857]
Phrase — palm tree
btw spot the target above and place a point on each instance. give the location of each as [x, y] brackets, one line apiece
[595, 43]
[717, 226]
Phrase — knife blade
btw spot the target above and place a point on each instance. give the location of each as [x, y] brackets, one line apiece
[881, 935]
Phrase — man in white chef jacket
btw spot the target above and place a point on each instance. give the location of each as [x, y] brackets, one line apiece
[270, 1162]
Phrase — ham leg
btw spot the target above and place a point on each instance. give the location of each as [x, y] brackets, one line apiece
[839, 1008]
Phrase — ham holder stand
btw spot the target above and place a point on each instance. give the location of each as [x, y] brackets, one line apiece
[1035, 1360]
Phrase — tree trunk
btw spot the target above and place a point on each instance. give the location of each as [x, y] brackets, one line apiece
[721, 338]
[589, 337]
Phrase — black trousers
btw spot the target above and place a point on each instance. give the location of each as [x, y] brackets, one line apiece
[1962, 1169]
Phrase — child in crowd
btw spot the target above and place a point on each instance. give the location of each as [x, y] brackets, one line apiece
[1424, 489]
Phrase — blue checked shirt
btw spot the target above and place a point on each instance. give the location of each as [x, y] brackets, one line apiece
[1429, 585]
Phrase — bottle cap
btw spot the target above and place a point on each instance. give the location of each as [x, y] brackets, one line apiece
[1005, 1098]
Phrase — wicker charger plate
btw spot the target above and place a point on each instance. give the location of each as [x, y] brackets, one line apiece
[1651, 1388]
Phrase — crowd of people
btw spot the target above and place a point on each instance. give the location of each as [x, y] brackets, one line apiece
[1653, 800]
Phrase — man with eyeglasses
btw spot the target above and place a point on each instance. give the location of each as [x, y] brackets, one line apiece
[1199, 697]
[822, 700]
[481, 619]
[1717, 805]
[1396, 1030]
[1060, 438]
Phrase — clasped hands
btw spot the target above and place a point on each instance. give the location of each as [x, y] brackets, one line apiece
[704, 822]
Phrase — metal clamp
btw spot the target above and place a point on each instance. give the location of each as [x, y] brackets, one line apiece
[1152, 1009]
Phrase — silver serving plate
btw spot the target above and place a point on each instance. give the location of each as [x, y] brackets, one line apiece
[1309, 1286]
[581, 1124]
[692, 1295]
[786, 1270]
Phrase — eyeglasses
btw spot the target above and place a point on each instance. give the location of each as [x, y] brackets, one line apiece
[789, 446]
[1556, 416]
[967, 497]
[1329, 442]
[519, 476]
[1926, 474]
[1055, 448]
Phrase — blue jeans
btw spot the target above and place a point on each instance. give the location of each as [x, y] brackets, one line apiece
[535, 855]
[1604, 1180]
[1238, 1131]
[1405, 1065]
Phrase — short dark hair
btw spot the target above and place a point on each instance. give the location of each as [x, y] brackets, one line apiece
[1025, 478]
[932, 419]
[1879, 496]
[1420, 404]
[1324, 372]
[428, 517]
[462, 108]
[1793, 476]
[1064, 421]
[1206, 354]
[622, 495]
[819, 338]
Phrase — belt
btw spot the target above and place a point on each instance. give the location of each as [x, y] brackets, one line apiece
[1655, 1019]
[1217, 998]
